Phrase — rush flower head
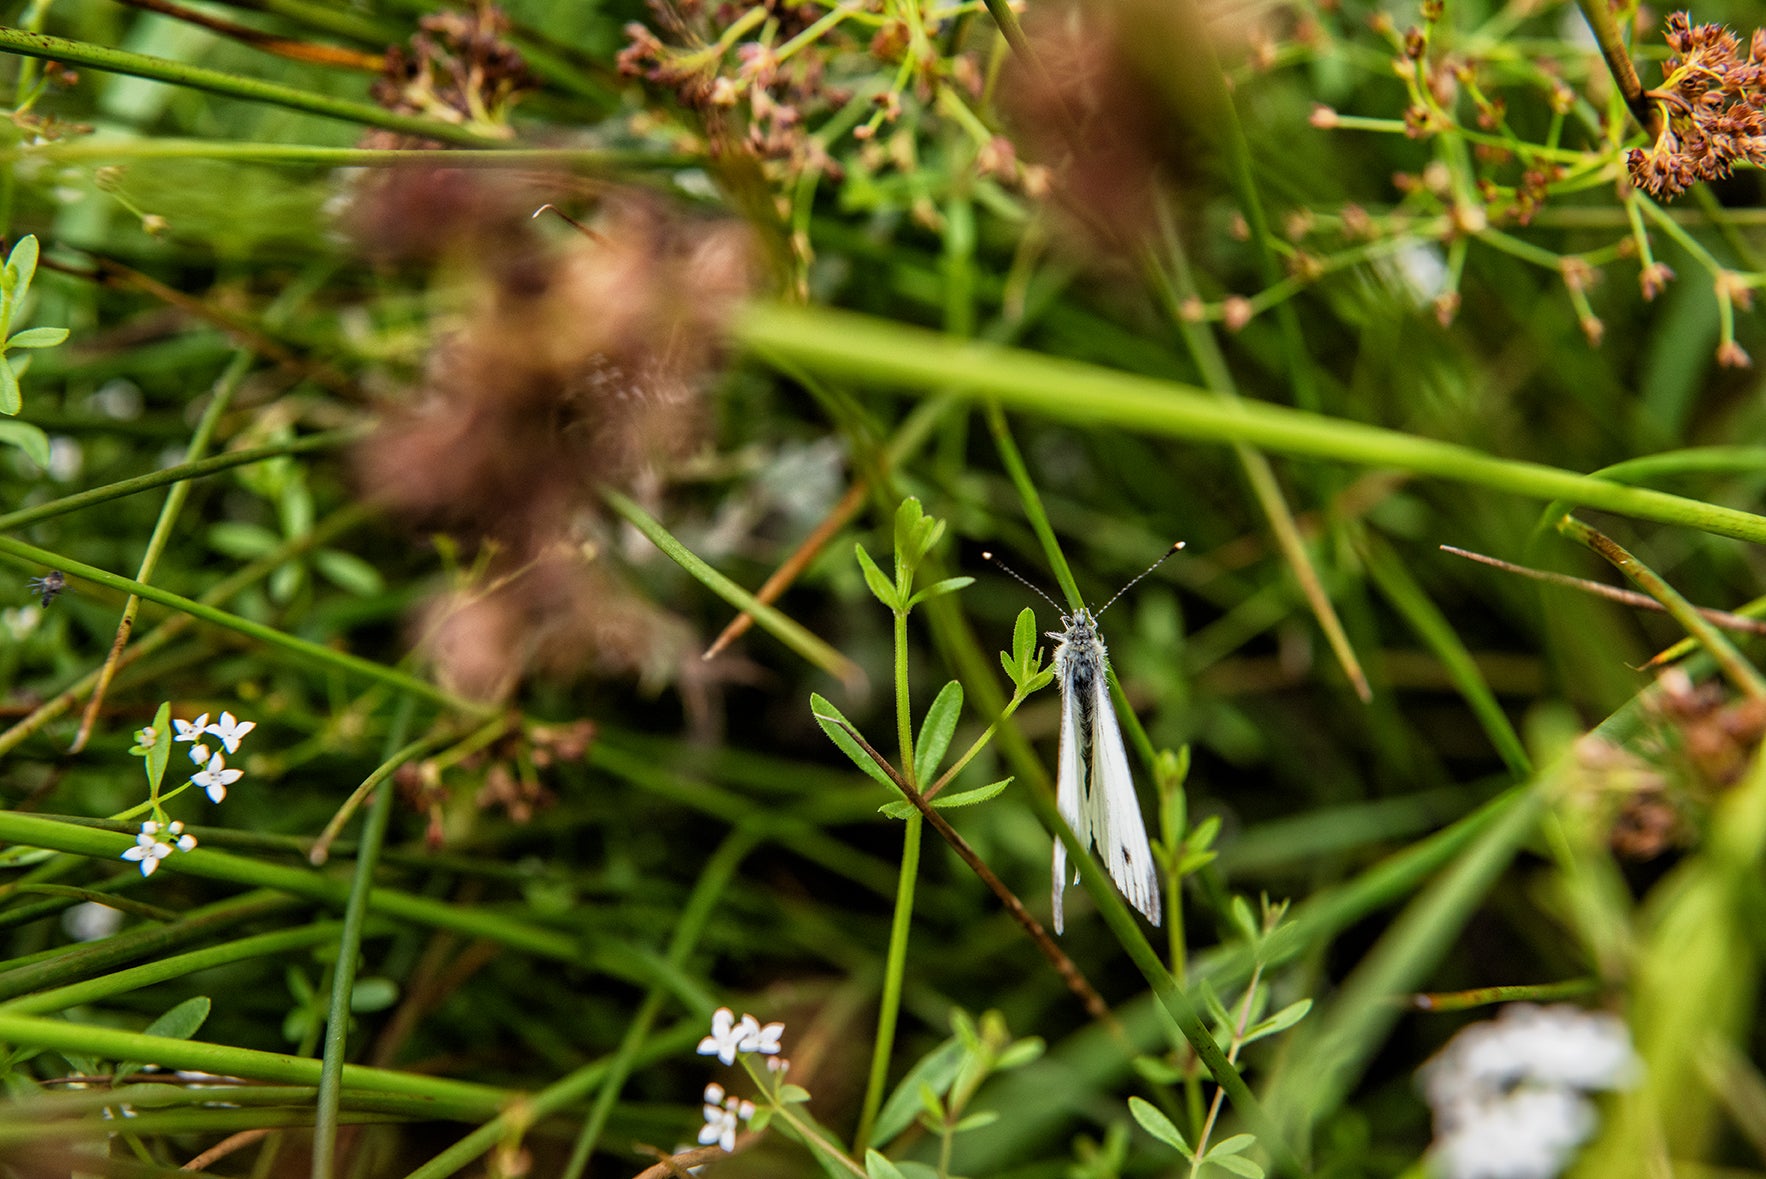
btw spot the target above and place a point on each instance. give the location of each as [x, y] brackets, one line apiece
[216, 778]
[1711, 106]
[153, 844]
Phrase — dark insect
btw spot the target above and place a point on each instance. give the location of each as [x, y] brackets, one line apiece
[49, 585]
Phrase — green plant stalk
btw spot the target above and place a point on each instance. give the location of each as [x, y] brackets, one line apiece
[1408, 598]
[327, 529]
[315, 653]
[864, 348]
[894, 970]
[64, 964]
[621, 961]
[720, 868]
[1328, 1061]
[122, 982]
[591, 160]
[222, 397]
[140, 65]
[1265, 487]
[331, 439]
[785, 629]
[343, 977]
[114, 1044]
[386, 769]
[611, 1073]
[1743, 675]
[1013, 461]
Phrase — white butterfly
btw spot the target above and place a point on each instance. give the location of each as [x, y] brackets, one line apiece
[1094, 787]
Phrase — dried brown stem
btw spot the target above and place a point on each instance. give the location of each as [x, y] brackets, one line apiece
[1064, 966]
[309, 51]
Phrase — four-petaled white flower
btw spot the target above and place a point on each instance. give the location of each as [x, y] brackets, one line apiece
[727, 1035]
[722, 1116]
[230, 730]
[151, 847]
[216, 778]
[190, 730]
[760, 1039]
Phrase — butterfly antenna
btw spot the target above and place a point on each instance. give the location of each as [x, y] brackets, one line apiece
[1032, 586]
[1140, 575]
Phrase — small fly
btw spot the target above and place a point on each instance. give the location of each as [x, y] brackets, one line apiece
[49, 586]
[1094, 786]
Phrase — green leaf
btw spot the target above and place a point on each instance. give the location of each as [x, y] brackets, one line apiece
[349, 572]
[37, 337]
[937, 1069]
[793, 1094]
[881, 586]
[762, 1116]
[21, 267]
[830, 719]
[938, 589]
[160, 755]
[1021, 1053]
[976, 1120]
[931, 1103]
[1238, 1166]
[11, 400]
[25, 436]
[1240, 911]
[936, 732]
[240, 540]
[1237, 1144]
[1281, 1021]
[1159, 1126]
[1024, 638]
[373, 994]
[180, 1023]
[910, 525]
[1158, 1070]
[878, 1167]
[901, 808]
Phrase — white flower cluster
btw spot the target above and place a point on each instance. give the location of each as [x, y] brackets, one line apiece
[151, 846]
[158, 838]
[214, 777]
[722, 1114]
[729, 1038]
[1510, 1095]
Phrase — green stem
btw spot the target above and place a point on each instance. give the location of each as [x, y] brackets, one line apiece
[140, 65]
[863, 348]
[343, 978]
[114, 1044]
[313, 652]
[122, 982]
[786, 630]
[593, 160]
[12, 521]
[1740, 672]
[894, 970]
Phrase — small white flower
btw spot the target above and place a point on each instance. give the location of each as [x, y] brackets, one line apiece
[216, 778]
[1508, 1094]
[190, 730]
[726, 1035]
[230, 730]
[199, 753]
[760, 1039]
[150, 848]
[88, 921]
[722, 1117]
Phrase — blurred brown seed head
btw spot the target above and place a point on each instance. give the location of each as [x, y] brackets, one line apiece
[572, 368]
[458, 68]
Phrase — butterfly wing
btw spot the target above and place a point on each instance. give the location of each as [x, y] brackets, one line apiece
[1070, 792]
[1116, 811]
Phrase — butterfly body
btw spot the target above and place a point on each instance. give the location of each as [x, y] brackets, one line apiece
[1094, 786]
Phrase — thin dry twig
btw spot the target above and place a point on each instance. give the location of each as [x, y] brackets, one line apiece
[1064, 966]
